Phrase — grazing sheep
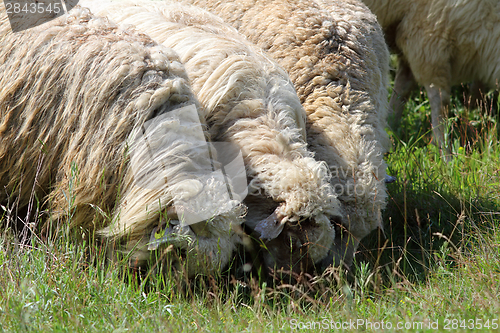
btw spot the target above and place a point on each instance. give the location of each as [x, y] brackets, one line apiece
[100, 123]
[335, 54]
[249, 100]
[440, 43]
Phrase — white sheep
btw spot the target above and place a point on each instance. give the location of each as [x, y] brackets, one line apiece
[249, 100]
[440, 43]
[335, 54]
[99, 123]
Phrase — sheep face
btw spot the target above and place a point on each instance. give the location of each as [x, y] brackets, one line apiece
[289, 251]
[289, 243]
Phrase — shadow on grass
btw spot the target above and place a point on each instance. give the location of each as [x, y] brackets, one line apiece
[433, 204]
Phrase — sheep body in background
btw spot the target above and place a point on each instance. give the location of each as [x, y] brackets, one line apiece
[99, 123]
[335, 54]
[440, 43]
[249, 100]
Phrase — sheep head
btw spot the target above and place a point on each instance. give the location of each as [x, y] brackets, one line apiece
[290, 242]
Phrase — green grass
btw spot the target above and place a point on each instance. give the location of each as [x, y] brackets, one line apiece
[438, 262]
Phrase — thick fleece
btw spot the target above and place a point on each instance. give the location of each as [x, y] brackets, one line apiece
[249, 100]
[335, 54]
[99, 123]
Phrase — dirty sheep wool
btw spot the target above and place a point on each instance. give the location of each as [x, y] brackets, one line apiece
[440, 43]
[251, 102]
[93, 121]
[335, 54]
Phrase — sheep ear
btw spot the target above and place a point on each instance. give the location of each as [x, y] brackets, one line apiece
[270, 228]
[159, 235]
[389, 179]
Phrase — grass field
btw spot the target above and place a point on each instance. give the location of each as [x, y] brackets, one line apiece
[436, 266]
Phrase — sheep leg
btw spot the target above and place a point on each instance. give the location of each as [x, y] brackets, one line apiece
[404, 83]
[439, 99]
